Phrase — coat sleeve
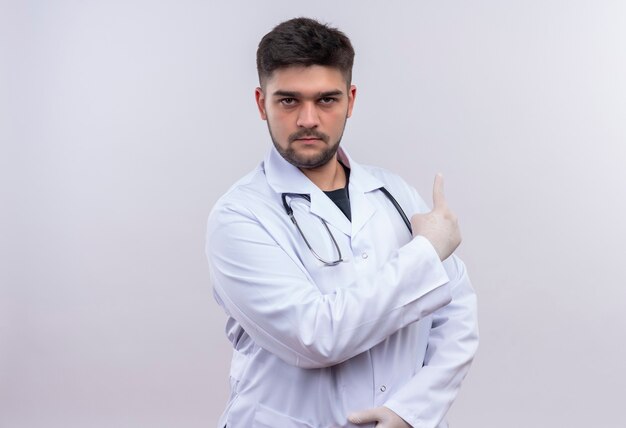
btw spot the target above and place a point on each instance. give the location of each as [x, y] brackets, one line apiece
[284, 312]
[425, 399]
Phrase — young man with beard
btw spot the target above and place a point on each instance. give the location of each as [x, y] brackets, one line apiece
[342, 311]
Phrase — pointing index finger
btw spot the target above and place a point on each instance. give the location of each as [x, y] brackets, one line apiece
[439, 200]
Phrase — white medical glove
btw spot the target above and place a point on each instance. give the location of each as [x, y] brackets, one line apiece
[440, 226]
[384, 418]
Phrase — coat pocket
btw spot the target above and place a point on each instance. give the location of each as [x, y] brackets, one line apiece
[264, 417]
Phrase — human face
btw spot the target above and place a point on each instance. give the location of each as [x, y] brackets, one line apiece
[306, 109]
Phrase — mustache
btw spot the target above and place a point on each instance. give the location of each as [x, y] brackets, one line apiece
[304, 133]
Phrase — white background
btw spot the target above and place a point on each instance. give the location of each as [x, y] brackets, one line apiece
[121, 123]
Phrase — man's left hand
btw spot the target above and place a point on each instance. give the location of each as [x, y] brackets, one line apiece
[384, 418]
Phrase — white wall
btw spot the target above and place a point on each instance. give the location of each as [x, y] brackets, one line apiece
[121, 122]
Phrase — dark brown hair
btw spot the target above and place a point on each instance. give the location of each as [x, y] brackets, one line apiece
[304, 42]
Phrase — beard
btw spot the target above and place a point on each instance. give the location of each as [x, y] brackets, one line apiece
[300, 160]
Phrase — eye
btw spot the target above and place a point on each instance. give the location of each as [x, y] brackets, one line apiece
[327, 100]
[288, 102]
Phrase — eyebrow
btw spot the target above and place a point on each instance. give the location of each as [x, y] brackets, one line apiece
[295, 94]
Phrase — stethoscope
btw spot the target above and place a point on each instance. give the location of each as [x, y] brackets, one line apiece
[339, 258]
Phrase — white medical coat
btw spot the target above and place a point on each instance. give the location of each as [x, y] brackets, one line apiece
[391, 325]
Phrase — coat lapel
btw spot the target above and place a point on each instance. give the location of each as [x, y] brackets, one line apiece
[283, 177]
[286, 178]
[362, 184]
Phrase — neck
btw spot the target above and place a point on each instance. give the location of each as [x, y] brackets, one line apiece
[329, 176]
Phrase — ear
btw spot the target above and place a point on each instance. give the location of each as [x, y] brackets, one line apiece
[351, 98]
[260, 102]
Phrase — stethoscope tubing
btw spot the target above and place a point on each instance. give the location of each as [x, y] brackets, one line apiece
[398, 208]
[389, 196]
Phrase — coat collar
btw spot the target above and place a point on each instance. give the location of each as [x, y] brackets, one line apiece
[283, 177]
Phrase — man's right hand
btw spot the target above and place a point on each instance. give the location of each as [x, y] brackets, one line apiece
[440, 226]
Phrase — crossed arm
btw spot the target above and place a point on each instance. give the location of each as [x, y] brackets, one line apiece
[282, 309]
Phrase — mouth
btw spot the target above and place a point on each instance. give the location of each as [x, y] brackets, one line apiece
[312, 137]
[308, 140]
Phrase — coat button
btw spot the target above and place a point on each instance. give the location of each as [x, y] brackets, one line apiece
[383, 388]
[364, 255]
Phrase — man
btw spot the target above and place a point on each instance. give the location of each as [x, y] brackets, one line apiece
[341, 311]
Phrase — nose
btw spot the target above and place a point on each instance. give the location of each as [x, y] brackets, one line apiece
[307, 116]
